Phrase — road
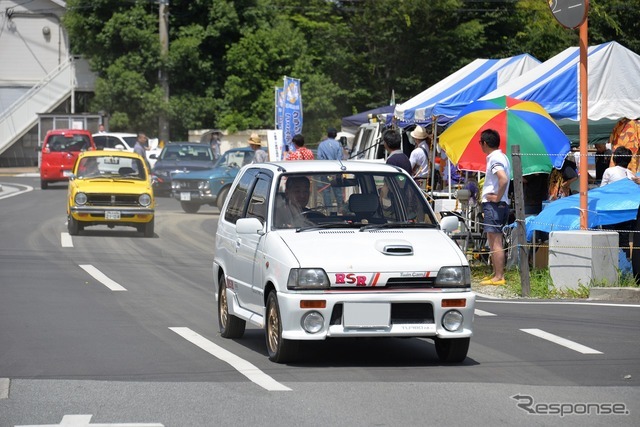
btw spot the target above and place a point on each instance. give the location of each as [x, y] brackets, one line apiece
[110, 328]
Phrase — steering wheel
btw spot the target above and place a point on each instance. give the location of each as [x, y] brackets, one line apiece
[312, 213]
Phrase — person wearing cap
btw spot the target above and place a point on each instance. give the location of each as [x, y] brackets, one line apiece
[330, 149]
[256, 144]
[419, 158]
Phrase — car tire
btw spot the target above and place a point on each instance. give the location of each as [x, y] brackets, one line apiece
[73, 226]
[44, 185]
[452, 350]
[222, 196]
[149, 228]
[280, 350]
[190, 207]
[230, 326]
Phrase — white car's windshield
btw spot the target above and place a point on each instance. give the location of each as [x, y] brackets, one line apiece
[350, 199]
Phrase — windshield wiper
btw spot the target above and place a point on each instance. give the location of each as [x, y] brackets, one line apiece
[398, 225]
[329, 225]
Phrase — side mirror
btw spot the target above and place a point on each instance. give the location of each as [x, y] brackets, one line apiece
[449, 224]
[249, 226]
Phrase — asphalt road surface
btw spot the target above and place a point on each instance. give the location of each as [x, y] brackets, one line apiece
[110, 328]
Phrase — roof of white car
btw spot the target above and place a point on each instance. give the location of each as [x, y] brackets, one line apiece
[330, 166]
[122, 134]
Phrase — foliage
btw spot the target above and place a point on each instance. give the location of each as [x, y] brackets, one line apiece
[225, 57]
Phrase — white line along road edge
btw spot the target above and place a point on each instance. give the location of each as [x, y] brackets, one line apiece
[561, 341]
[245, 368]
[100, 277]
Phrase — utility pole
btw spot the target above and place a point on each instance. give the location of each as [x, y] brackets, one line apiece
[163, 74]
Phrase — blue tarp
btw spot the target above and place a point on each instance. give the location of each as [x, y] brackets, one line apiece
[614, 203]
[446, 98]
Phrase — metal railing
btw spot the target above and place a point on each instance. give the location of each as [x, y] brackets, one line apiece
[16, 120]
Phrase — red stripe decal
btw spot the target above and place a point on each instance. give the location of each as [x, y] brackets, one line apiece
[375, 279]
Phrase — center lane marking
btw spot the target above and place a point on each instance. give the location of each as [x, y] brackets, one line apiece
[65, 240]
[101, 277]
[247, 369]
[561, 341]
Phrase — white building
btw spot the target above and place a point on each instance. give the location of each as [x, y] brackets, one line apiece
[38, 76]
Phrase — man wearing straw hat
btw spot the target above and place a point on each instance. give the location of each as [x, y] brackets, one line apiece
[419, 157]
[256, 144]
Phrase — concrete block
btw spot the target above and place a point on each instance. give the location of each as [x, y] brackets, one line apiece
[583, 257]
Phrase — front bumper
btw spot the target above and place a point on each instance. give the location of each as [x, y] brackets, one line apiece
[203, 197]
[98, 214]
[412, 314]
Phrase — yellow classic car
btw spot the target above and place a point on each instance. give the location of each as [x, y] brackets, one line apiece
[111, 188]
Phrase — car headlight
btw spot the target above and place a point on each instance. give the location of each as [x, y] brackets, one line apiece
[144, 199]
[458, 276]
[80, 199]
[452, 320]
[307, 278]
[204, 185]
[175, 185]
[312, 322]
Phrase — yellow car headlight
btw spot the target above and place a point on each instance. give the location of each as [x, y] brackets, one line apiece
[80, 199]
[144, 200]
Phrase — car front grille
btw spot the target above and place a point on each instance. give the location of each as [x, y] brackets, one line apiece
[411, 282]
[113, 200]
[401, 313]
[190, 184]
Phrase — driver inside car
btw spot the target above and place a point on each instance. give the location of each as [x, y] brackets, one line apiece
[290, 212]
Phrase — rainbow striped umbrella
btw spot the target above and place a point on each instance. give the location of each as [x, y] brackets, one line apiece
[543, 145]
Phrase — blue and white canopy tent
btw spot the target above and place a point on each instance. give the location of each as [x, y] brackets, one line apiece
[450, 95]
[614, 85]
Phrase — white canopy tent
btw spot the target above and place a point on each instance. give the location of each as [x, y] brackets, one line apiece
[613, 84]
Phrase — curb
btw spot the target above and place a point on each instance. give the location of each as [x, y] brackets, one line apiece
[615, 294]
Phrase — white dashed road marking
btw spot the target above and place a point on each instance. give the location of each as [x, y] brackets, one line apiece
[85, 421]
[65, 240]
[245, 368]
[561, 341]
[483, 313]
[100, 277]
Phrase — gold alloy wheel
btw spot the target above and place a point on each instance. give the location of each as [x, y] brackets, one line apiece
[224, 310]
[273, 328]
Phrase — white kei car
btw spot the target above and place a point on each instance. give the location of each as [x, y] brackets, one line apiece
[365, 257]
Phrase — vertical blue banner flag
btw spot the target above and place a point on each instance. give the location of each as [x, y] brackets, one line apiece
[279, 103]
[292, 110]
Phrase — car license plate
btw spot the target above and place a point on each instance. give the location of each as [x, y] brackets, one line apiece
[114, 215]
[366, 315]
[185, 196]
